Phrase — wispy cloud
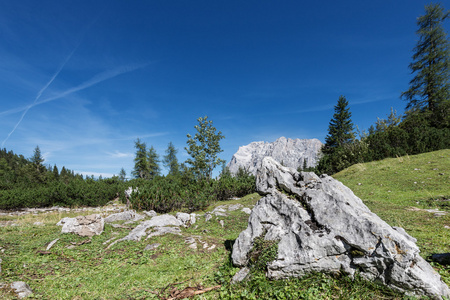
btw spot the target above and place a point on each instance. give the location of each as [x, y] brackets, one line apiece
[96, 80]
[118, 154]
[39, 94]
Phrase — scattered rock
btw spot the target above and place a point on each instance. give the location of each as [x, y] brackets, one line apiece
[221, 222]
[212, 247]
[152, 246]
[21, 289]
[247, 210]
[192, 243]
[157, 231]
[234, 207]
[240, 275]
[127, 215]
[158, 221]
[150, 214]
[50, 245]
[38, 224]
[321, 226]
[184, 218]
[83, 225]
[208, 217]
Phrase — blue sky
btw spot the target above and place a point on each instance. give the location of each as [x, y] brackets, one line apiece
[84, 79]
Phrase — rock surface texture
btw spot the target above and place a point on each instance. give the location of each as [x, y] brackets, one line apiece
[83, 225]
[322, 226]
[289, 152]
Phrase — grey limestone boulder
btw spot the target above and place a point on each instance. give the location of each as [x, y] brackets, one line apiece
[158, 221]
[83, 225]
[21, 289]
[127, 215]
[321, 226]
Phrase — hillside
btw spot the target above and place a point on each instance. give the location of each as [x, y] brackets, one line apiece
[399, 190]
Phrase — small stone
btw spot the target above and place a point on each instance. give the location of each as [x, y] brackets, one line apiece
[359, 183]
[240, 275]
[212, 247]
[150, 214]
[221, 223]
[51, 244]
[208, 217]
[152, 246]
[247, 210]
[38, 224]
[234, 207]
[21, 289]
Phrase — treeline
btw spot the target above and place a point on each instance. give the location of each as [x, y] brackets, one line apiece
[30, 183]
[426, 124]
[188, 186]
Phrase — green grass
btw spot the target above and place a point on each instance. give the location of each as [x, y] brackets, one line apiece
[125, 271]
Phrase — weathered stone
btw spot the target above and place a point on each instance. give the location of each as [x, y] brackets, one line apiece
[291, 153]
[208, 217]
[184, 218]
[157, 231]
[158, 221]
[83, 225]
[50, 245]
[321, 226]
[234, 207]
[240, 275]
[152, 246]
[127, 215]
[150, 214]
[38, 224]
[247, 210]
[21, 289]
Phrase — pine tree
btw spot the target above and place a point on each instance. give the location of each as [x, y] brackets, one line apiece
[430, 89]
[340, 135]
[37, 158]
[340, 128]
[122, 175]
[170, 160]
[203, 148]
[140, 161]
[153, 163]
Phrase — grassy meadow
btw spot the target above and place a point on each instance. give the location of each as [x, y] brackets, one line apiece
[399, 190]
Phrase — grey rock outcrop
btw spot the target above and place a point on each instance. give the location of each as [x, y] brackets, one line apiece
[292, 153]
[128, 215]
[158, 221]
[21, 289]
[83, 225]
[321, 226]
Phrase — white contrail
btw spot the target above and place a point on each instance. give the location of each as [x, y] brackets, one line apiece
[95, 80]
[39, 94]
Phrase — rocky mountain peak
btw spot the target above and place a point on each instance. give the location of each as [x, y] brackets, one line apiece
[293, 153]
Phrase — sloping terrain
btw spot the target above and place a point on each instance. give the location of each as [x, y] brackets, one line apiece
[411, 192]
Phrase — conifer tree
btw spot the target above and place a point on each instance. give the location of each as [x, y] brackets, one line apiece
[140, 161]
[37, 159]
[340, 134]
[122, 175]
[153, 163]
[340, 128]
[203, 148]
[429, 90]
[170, 160]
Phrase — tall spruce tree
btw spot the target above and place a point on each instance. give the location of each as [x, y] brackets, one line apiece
[153, 163]
[203, 148]
[340, 128]
[340, 134]
[170, 160]
[140, 161]
[429, 90]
